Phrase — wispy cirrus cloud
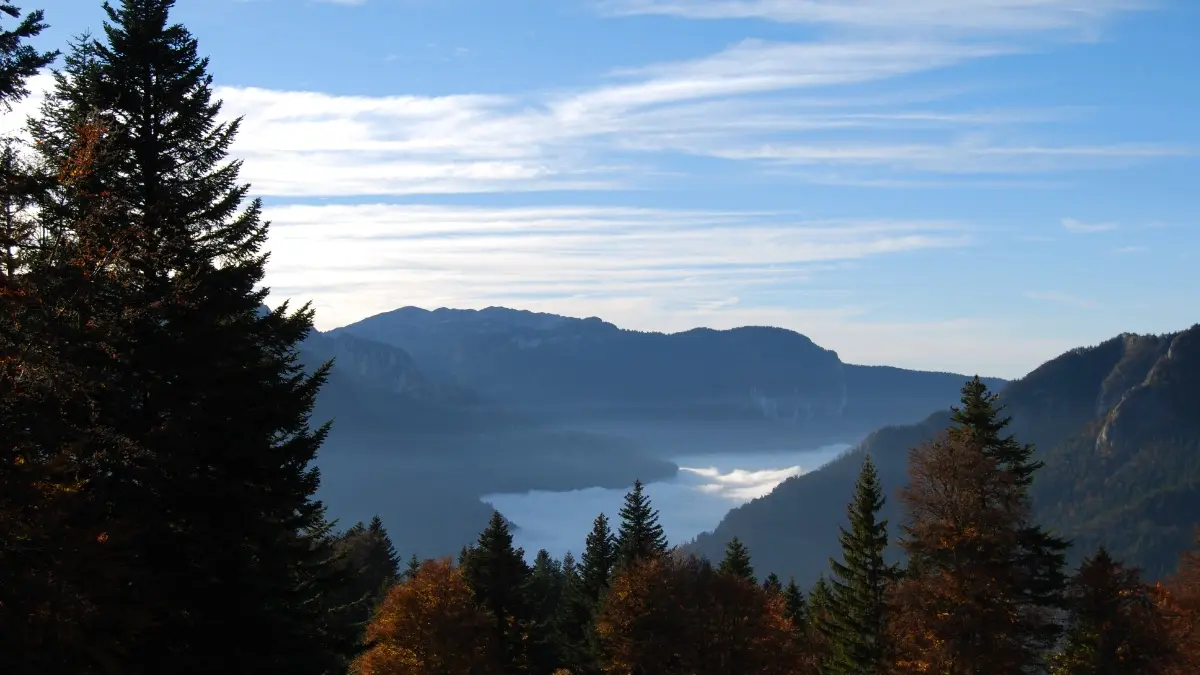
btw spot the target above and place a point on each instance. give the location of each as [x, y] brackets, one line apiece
[378, 256]
[755, 104]
[912, 16]
[648, 269]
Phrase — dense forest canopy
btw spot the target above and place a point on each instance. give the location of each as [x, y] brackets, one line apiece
[157, 478]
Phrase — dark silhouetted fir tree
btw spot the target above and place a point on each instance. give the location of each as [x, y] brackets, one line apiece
[859, 584]
[1043, 555]
[737, 561]
[414, 564]
[547, 582]
[797, 606]
[199, 440]
[576, 615]
[640, 535]
[498, 577]
[772, 584]
[599, 559]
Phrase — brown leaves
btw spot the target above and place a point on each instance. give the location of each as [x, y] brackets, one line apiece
[1179, 599]
[677, 615]
[956, 609]
[85, 151]
[430, 625]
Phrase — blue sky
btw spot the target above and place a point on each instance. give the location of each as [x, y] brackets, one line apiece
[969, 185]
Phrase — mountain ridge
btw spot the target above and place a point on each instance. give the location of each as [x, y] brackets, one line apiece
[1116, 424]
[584, 371]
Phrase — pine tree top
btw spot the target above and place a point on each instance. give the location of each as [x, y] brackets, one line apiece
[737, 561]
[640, 535]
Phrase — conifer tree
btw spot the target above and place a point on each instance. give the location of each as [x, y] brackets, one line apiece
[414, 564]
[370, 558]
[199, 444]
[860, 582]
[19, 60]
[772, 584]
[545, 589]
[1115, 626]
[1043, 554]
[640, 536]
[498, 577]
[577, 641]
[978, 594]
[797, 607]
[599, 558]
[820, 649]
[381, 557]
[737, 561]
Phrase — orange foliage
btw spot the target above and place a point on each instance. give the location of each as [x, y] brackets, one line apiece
[959, 614]
[1180, 600]
[430, 625]
[677, 615]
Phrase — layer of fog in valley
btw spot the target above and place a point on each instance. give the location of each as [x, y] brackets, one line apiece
[705, 489]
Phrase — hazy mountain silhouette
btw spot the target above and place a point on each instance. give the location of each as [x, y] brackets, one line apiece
[721, 387]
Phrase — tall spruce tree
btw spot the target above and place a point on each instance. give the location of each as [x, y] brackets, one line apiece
[576, 616]
[1043, 554]
[979, 593]
[1040, 554]
[546, 585]
[381, 558]
[640, 536]
[599, 558]
[796, 605]
[859, 583]
[199, 446]
[737, 561]
[499, 577]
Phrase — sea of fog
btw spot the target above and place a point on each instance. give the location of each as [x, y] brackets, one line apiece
[694, 501]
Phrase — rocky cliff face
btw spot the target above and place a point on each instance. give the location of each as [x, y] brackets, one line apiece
[1118, 426]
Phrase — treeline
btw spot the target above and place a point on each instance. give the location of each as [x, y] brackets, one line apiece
[983, 591]
[157, 509]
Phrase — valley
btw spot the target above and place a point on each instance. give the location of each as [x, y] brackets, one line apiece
[433, 410]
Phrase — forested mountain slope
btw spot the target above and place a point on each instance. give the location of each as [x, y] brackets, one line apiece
[1117, 425]
[589, 371]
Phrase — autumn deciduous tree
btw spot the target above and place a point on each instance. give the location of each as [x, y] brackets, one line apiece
[1115, 625]
[430, 625]
[1179, 599]
[675, 614]
[977, 596]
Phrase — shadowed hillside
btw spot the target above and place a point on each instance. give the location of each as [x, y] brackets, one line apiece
[1117, 425]
[586, 372]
